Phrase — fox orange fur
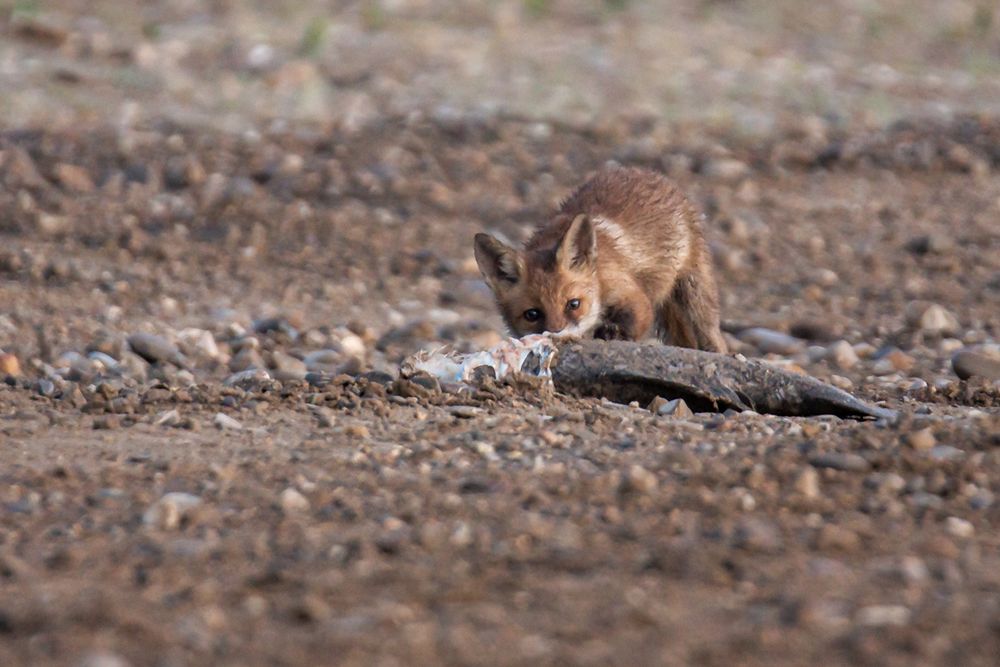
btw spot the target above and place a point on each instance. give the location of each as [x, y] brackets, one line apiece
[623, 253]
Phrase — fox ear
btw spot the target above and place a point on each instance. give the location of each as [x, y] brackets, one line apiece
[497, 261]
[579, 246]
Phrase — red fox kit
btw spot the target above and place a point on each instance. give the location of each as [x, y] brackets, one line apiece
[623, 253]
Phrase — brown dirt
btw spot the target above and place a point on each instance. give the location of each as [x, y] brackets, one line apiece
[356, 519]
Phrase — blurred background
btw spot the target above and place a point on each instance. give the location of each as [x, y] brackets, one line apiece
[746, 65]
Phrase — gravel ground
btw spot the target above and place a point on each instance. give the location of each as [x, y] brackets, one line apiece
[208, 456]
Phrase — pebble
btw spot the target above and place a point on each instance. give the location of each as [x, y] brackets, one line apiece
[974, 362]
[353, 345]
[102, 659]
[224, 421]
[837, 538]
[292, 501]
[807, 483]
[935, 244]
[883, 615]
[287, 367]
[464, 411]
[840, 382]
[757, 534]
[981, 499]
[167, 418]
[931, 318]
[891, 359]
[155, 349]
[726, 169]
[106, 422]
[815, 330]
[247, 379]
[271, 325]
[921, 440]
[913, 569]
[324, 416]
[769, 341]
[168, 511]
[674, 408]
[246, 359]
[324, 361]
[46, 387]
[959, 527]
[840, 461]
[842, 355]
[9, 365]
[72, 177]
[639, 480]
[201, 341]
[946, 453]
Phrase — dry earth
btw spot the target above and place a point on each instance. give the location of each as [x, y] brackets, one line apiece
[165, 500]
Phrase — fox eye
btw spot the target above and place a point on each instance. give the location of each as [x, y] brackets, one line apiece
[573, 304]
[532, 314]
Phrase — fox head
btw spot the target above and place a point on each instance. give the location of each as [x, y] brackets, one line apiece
[553, 287]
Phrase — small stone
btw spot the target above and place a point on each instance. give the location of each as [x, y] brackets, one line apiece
[840, 382]
[815, 330]
[246, 359]
[921, 440]
[102, 659]
[201, 343]
[272, 325]
[934, 244]
[52, 225]
[639, 480]
[837, 538]
[883, 367]
[74, 178]
[913, 569]
[769, 341]
[946, 453]
[248, 379]
[168, 512]
[840, 461]
[9, 365]
[107, 422]
[287, 367]
[976, 362]
[889, 360]
[167, 418]
[155, 349]
[225, 422]
[726, 169]
[757, 534]
[807, 483]
[353, 345]
[292, 501]
[931, 318]
[959, 527]
[981, 499]
[358, 431]
[842, 355]
[464, 411]
[328, 361]
[883, 615]
[324, 416]
[676, 408]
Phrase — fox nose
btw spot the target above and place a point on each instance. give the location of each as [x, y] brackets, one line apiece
[555, 324]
